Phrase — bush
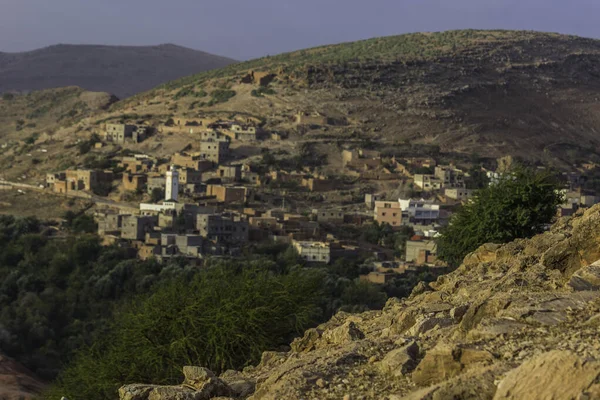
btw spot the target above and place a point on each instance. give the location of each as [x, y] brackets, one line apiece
[519, 206]
[221, 319]
[221, 96]
[8, 96]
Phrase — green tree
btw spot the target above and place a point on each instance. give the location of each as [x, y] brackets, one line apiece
[157, 195]
[518, 206]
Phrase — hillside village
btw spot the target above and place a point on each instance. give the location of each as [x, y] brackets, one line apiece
[212, 199]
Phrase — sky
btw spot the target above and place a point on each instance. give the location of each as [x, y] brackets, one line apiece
[245, 29]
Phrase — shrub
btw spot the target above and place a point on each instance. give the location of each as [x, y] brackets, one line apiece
[221, 95]
[220, 319]
[518, 206]
[8, 96]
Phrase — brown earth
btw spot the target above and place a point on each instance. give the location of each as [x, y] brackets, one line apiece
[16, 382]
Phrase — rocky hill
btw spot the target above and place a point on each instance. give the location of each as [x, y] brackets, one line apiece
[121, 70]
[514, 321]
[488, 92]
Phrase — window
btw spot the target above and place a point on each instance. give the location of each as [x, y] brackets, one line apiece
[383, 214]
[314, 257]
[394, 214]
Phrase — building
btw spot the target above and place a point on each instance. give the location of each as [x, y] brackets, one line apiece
[318, 185]
[230, 172]
[227, 194]
[417, 246]
[119, 133]
[388, 212]
[172, 184]
[449, 176]
[223, 228]
[194, 162]
[313, 252]
[135, 227]
[51, 179]
[189, 245]
[329, 216]
[461, 194]
[241, 132]
[189, 176]
[109, 223]
[156, 182]
[427, 182]
[419, 212]
[134, 182]
[138, 163]
[79, 179]
[214, 151]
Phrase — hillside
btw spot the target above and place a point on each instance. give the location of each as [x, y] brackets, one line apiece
[468, 93]
[517, 321]
[121, 70]
[490, 92]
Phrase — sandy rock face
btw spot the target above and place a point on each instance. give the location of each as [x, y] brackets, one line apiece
[517, 321]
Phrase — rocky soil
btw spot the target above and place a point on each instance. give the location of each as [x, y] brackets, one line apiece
[517, 321]
[17, 382]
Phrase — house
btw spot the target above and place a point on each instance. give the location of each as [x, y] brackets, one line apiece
[461, 194]
[134, 182]
[419, 212]
[449, 176]
[313, 252]
[223, 228]
[120, 133]
[418, 247]
[329, 216]
[307, 119]
[135, 227]
[214, 150]
[186, 244]
[136, 164]
[230, 172]
[388, 212]
[228, 194]
[156, 182]
[189, 176]
[109, 223]
[378, 278]
[194, 162]
[51, 179]
[80, 179]
[318, 185]
[241, 132]
[427, 182]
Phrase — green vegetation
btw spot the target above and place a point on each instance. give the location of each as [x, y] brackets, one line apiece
[189, 92]
[7, 96]
[157, 195]
[518, 206]
[221, 96]
[262, 90]
[221, 319]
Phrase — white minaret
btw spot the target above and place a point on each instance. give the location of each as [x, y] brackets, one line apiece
[172, 189]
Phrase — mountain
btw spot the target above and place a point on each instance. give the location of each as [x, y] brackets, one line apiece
[514, 321]
[121, 70]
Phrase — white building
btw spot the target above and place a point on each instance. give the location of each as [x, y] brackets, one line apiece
[422, 212]
[172, 187]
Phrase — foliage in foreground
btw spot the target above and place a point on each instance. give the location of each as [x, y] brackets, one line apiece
[518, 206]
[224, 318]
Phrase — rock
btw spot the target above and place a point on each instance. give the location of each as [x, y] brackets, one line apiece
[239, 385]
[428, 324]
[343, 334]
[205, 382]
[550, 376]
[135, 391]
[174, 393]
[439, 363]
[586, 278]
[307, 342]
[400, 361]
[457, 313]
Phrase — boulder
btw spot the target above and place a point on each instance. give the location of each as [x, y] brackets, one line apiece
[439, 363]
[586, 278]
[427, 324]
[307, 342]
[240, 385]
[400, 361]
[135, 391]
[554, 375]
[205, 382]
[343, 334]
[175, 393]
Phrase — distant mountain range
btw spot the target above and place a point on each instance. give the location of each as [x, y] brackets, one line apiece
[120, 70]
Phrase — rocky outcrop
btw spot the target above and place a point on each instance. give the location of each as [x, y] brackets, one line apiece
[517, 321]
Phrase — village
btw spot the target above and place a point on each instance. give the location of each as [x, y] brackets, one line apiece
[208, 201]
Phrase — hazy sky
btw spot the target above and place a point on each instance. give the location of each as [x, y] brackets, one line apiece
[245, 29]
